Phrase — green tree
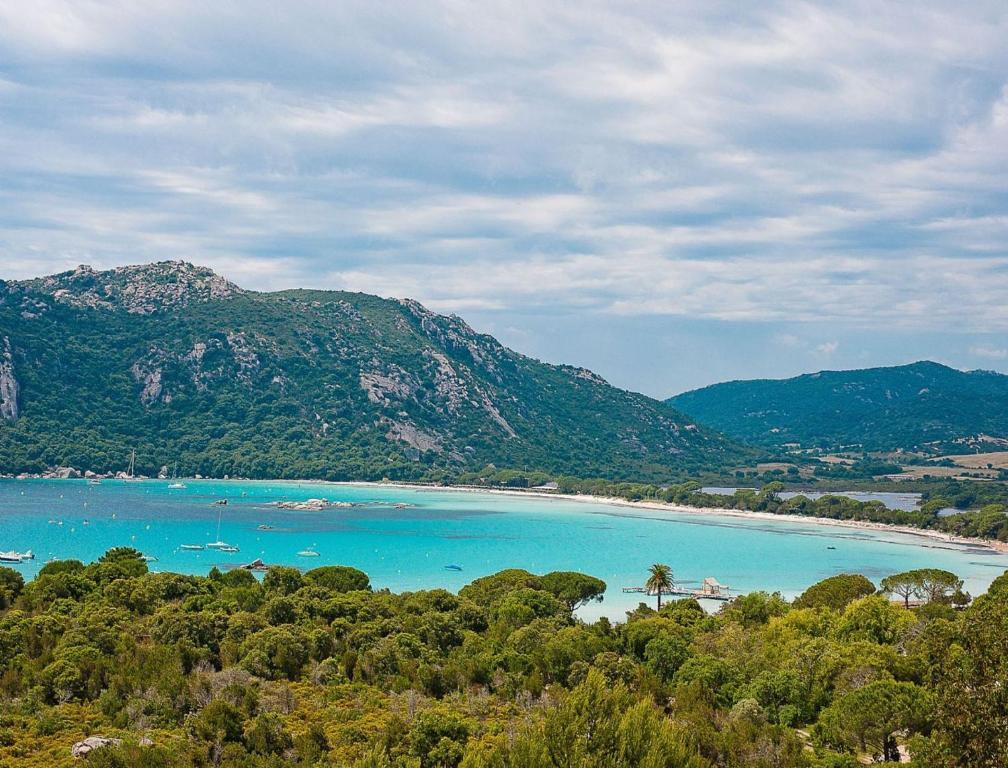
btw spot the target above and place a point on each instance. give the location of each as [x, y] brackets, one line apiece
[283, 580]
[438, 739]
[868, 718]
[659, 581]
[972, 684]
[574, 589]
[267, 735]
[338, 578]
[836, 592]
[11, 585]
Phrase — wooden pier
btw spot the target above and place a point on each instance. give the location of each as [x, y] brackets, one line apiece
[710, 589]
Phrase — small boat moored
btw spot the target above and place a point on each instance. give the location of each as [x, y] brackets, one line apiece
[192, 547]
[308, 553]
[16, 557]
[453, 567]
[175, 485]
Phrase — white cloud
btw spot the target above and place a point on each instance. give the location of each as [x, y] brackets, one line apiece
[989, 352]
[827, 347]
[775, 162]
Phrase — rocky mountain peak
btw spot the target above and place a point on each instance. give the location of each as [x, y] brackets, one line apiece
[141, 289]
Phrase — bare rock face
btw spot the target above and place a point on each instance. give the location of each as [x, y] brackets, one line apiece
[149, 379]
[90, 744]
[139, 290]
[8, 384]
[244, 355]
[413, 436]
[385, 387]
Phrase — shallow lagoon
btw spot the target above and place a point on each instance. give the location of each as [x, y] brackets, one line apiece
[408, 548]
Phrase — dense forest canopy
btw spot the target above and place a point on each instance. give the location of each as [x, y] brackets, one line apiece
[175, 362]
[919, 407]
[316, 669]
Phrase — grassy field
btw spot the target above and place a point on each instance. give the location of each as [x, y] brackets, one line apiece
[992, 460]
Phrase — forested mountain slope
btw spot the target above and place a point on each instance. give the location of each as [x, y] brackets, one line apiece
[184, 366]
[907, 406]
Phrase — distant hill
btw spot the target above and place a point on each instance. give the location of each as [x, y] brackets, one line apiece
[922, 405]
[183, 365]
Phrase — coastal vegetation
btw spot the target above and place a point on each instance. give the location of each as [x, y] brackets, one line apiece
[319, 669]
[981, 509]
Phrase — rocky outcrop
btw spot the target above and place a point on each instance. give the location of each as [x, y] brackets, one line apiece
[453, 334]
[90, 744]
[450, 388]
[413, 436]
[149, 381]
[310, 505]
[384, 387]
[139, 290]
[8, 384]
[62, 473]
[244, 355]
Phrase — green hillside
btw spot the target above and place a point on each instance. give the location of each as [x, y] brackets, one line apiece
[184, 366]
[919, 406]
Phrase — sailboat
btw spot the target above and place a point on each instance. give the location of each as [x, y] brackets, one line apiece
[221, 545]
[130, 477]
[174, 485]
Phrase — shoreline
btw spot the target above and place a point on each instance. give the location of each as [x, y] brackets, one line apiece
[999, 547]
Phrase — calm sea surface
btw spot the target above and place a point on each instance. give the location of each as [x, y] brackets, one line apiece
[408, 548]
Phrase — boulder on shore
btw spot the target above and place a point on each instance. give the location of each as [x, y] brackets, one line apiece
[62, 473]
[90, 744]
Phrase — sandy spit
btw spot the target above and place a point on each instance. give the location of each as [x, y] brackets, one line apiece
[939, 536]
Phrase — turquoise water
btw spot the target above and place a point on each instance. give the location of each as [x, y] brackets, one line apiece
[408, 548]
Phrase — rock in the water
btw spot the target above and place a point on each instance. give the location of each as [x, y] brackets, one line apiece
[90, 744]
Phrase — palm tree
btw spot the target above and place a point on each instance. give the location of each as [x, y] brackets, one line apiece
[659, 581]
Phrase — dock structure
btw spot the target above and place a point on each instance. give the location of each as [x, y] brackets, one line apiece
[710, 589]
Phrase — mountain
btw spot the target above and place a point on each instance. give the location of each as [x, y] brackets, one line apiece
[183, 365]
[924, 405]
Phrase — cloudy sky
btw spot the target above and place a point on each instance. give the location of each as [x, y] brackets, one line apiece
[669, 193]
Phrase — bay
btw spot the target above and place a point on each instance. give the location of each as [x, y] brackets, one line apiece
[408, 547]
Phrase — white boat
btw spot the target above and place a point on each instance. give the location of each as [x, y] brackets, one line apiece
[149, 559]
[308, 553]
[220, 544]
[130, 473]
[191, 546]
[94, 481]
[16, 557]
[174, 485]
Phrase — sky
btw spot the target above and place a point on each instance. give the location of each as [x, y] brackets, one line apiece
[671, 194]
